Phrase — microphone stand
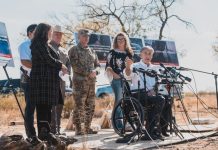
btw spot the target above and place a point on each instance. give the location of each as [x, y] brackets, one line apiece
[146, 94]
[172, 124]
[13, 90]
[215, 79]
[183, 80]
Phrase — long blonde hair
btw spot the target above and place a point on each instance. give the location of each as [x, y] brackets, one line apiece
[128, 47]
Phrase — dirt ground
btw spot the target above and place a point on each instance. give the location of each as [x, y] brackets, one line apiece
[204, 107]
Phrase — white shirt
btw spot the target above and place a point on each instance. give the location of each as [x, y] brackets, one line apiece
[135, 77]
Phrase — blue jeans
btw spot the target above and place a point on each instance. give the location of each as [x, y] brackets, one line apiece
[116, 86]
[29, 111]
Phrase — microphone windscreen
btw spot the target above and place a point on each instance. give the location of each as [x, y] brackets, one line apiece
[162, 65]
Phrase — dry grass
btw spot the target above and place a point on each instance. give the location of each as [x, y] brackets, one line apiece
[10, 111]
[196, 107]
[100, 105]
[68, 106]
[191, 101]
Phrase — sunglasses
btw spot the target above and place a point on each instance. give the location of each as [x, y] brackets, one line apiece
[121, 39]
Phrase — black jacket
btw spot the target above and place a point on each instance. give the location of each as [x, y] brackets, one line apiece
[44, 77]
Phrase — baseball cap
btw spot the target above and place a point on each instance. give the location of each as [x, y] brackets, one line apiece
[83, 32]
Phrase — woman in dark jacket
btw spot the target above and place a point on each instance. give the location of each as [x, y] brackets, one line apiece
[44, 78]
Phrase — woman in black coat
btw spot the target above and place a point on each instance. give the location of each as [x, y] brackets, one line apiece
[44, 78]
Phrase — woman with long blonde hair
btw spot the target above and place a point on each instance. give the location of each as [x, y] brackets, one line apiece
[116, 59]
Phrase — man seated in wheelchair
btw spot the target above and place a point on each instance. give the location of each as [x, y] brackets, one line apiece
[150, 100]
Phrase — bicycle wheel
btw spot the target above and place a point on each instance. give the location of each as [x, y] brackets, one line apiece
[127, 116]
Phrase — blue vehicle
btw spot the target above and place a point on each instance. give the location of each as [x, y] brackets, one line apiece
[100, 92]
[6, 88]
[104, 90]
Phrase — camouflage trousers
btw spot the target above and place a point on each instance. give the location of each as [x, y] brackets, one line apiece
[84, 98]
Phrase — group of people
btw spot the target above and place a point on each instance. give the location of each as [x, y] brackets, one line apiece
[42, 60]
[120, 60]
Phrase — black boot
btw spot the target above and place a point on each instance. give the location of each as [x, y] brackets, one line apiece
[155, 130]
[52, 138]
[164, 131]
[45, 134]
[146, 137]
[156, 134]
[34, 140]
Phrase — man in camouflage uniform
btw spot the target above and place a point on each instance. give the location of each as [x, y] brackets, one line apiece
[85, 66]
[57, 110]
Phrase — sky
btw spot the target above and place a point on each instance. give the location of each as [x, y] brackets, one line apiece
[18, 14]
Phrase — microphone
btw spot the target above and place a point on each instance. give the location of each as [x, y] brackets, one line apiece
[174, 72]
[162, 65]
[141, 70]
[135, 70]
[153, 71]
[180, 75]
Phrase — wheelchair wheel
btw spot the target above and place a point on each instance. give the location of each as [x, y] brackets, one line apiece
[127, 116]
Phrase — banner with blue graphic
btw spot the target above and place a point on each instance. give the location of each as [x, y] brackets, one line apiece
[5, 50]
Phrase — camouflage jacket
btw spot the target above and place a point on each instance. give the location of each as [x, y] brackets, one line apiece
[83, 60]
